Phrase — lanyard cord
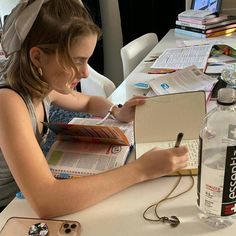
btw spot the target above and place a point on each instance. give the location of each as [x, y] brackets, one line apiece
[172, 220]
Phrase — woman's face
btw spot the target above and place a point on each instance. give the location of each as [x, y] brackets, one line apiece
[57, 78]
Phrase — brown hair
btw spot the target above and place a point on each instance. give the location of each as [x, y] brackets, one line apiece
[57, 24]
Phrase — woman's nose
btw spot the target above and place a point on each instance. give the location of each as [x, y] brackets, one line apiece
[84, 72]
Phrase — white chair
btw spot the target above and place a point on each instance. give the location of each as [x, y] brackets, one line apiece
[135, 51]
[97, 84]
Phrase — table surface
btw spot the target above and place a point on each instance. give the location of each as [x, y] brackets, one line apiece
[121, 214]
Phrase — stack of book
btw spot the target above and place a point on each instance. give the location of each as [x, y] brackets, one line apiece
[206, 26]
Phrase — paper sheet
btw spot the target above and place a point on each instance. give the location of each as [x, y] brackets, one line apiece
[188, 79]
[179, 58]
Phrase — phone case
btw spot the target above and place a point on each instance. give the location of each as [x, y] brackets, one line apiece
[32, 226]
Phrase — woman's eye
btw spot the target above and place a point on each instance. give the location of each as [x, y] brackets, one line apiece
[79, 63]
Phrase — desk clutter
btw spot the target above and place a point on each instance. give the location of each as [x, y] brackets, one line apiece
[211, 58]
[204, 25]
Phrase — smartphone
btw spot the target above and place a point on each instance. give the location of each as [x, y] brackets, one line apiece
[32, 226]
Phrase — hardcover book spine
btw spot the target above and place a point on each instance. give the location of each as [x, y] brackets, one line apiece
[190, 20]
[230, 28]
[223, 32]
[190, 33]
[227, 27]
[203, 21]
[191, 29]
[188, 24]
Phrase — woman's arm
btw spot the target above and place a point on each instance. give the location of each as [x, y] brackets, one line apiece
[51, 197]
[77, 101]
[96, 105]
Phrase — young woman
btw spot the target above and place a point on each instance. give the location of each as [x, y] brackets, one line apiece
[49, 43]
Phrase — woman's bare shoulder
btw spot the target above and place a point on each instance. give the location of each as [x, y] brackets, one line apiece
[12, 109]
[9, 99]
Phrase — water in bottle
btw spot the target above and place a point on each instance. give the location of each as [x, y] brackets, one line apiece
[216, 188]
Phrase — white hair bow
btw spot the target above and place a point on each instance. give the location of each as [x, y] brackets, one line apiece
[18, 25]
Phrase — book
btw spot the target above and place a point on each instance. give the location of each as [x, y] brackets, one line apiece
[196, 14]
[209, 35]
[188, 24]
[230, 20]
[230, 26]
[190, 33]
[169, 115]
[204, 21]
[84, 148]
[206, 31]
[222, 32]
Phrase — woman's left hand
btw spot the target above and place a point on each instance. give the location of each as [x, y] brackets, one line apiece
[127, 111]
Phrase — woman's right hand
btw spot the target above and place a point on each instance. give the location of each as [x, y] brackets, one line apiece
[160, 162]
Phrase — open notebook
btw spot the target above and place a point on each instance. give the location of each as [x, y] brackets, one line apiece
[161, 118]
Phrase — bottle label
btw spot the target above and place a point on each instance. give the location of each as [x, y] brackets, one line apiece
[229, 192]
[211, 189]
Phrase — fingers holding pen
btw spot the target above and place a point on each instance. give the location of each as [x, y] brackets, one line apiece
[160, 162]
[177, 157]
[182, 156]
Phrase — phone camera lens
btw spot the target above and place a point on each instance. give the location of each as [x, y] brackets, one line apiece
[66, 226]
[73, 226]
[67, 231]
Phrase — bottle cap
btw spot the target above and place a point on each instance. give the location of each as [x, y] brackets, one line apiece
[226, 96]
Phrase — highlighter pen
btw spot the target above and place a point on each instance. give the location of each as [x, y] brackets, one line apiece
[179, 139]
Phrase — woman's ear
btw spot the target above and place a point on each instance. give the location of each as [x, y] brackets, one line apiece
[36, 56]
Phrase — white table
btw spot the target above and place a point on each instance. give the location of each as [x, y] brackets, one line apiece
[126, 90]
[121, 214]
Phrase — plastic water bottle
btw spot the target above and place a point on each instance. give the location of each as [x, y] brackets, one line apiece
[216, 187]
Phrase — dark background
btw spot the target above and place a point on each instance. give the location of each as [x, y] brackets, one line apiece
[137, 18]
[140, 17]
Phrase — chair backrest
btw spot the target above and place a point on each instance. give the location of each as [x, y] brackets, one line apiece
[134, 52]
[97, 84]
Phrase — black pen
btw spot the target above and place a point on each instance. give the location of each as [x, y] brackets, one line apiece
[179, 139]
